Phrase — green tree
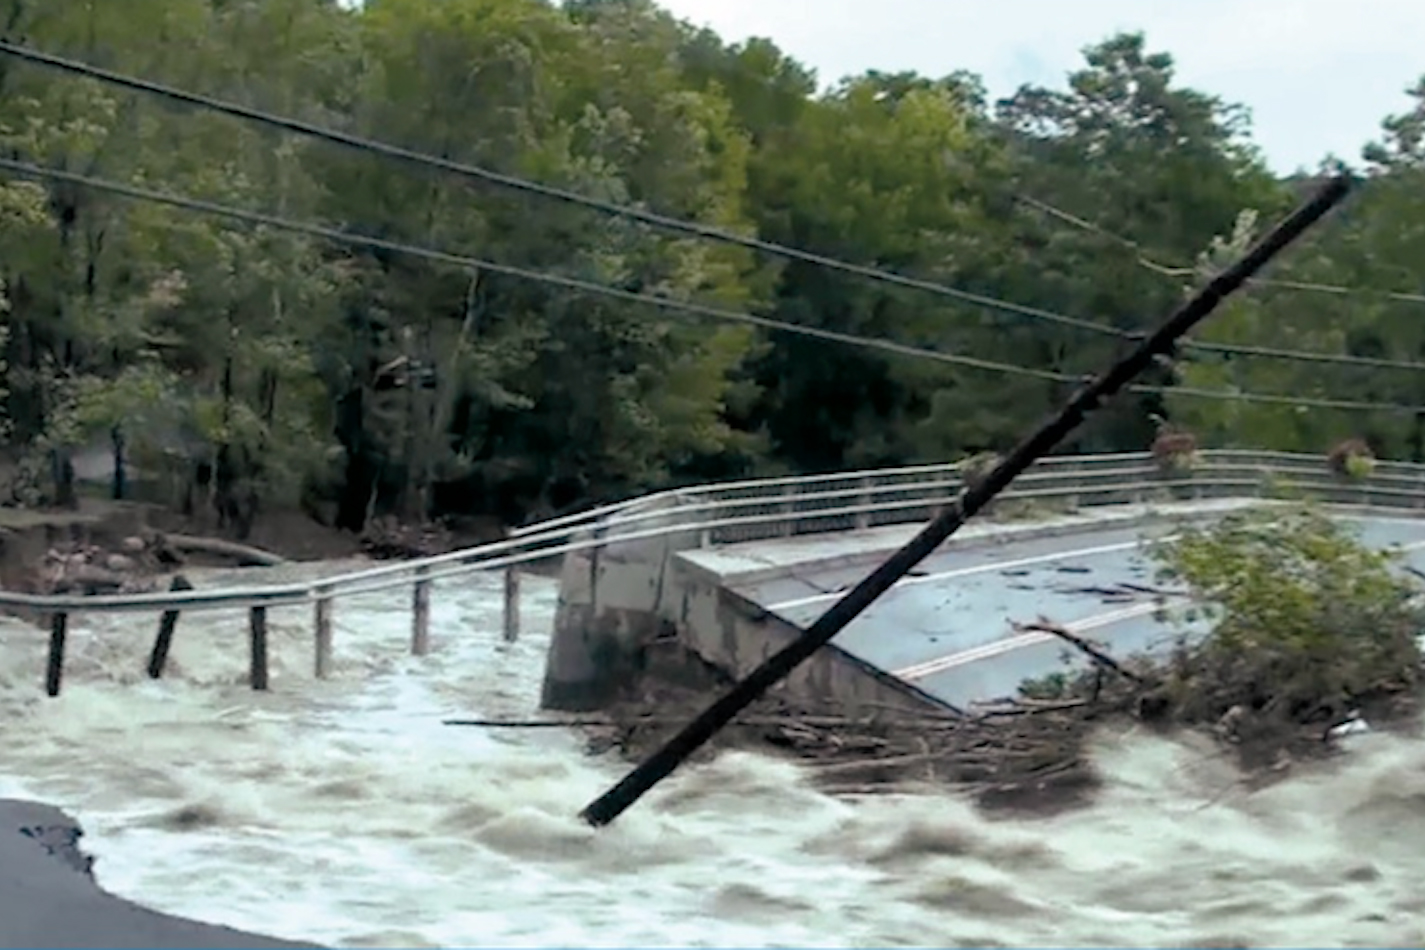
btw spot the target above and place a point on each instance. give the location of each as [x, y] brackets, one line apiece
[1165, 167]
[1371, 246]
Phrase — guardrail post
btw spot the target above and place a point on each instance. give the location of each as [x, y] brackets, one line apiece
[789, 510]
[167, 625]
[323, 617]
[863, 500]
[1076, 485]
[512, 604]
[420, 615]
[257, 629]
[54, 669]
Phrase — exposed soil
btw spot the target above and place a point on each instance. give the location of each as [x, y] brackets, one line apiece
[292, 534]
[104, 547]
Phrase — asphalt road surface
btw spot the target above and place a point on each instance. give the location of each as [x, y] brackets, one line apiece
[949, 627]
[49, 898]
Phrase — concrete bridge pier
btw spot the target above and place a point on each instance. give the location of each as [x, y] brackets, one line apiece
[620, 600]
[614, 600]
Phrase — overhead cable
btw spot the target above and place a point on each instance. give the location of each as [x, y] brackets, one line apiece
[666, 304]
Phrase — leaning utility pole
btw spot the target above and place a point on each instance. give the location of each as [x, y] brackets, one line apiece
[661, 763]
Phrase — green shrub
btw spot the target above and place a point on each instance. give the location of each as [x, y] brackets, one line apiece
[1308, 621]
[1352, 459]
[1308, 627]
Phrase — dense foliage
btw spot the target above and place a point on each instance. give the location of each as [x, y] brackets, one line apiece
[267, 370]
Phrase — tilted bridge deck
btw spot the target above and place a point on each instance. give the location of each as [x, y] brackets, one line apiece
[949, 628]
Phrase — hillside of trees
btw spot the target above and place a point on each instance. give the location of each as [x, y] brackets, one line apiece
[252, 369]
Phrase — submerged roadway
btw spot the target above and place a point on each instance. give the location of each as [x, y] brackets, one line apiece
[949, 627]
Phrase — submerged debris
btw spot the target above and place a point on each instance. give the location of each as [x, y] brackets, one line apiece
[1016, 753]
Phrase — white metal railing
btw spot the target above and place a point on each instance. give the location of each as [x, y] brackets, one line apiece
[733, 512]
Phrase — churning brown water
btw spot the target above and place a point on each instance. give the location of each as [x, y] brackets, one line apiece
[344, 812]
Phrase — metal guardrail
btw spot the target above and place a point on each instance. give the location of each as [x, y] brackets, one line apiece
[734, 512]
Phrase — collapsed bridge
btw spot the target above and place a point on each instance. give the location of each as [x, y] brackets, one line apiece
[727, 575]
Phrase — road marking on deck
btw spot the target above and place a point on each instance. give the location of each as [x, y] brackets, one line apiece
[978, 569]
[1010, 644]
[1021, 641]
[1046, 558]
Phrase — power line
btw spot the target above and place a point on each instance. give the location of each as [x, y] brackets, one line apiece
[1349, 405]
[1303, 356]
[1239, 349]
[653, 219]
[656, 220]
[134, 193]
[569, 283]
[1168, 270]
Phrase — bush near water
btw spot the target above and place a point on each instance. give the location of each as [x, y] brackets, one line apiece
[1310, 629]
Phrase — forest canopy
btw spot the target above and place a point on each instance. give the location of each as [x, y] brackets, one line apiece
[280, 369]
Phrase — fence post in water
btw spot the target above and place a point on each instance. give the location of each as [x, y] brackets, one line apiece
[54, 670]
[323, 612]
[257, 624]
[420, 615]
[158, 658]
[512, 604]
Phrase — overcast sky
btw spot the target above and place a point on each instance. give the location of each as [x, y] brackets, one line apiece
[1317, 76]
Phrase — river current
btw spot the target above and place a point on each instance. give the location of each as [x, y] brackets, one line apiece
[342, 811]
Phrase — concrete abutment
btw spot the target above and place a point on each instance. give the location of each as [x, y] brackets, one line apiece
[620, 600]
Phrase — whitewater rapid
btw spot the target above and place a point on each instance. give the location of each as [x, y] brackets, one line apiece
[344, 812]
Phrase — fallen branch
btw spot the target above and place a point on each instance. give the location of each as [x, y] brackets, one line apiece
[1093, 652]
[1099, 591]
[1150, 589]
[949, 713]
[1059, 767]
[889, 761]
[1029, 708]
[532, 723]
[245, 555]
[859, 791]
[807, 722]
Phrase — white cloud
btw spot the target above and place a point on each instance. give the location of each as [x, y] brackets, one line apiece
[1318, 76]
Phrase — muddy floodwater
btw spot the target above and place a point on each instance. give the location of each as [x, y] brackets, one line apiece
[344, 812]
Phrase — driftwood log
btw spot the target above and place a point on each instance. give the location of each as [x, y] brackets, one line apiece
[245, 555]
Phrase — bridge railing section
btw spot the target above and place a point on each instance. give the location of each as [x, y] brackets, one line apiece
[761, 509]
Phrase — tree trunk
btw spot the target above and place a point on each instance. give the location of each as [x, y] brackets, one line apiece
[25, 402]
[360, 476]
[62, 471]
[224, 469]
[116, 435]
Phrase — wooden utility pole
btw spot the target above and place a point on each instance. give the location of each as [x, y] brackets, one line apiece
[662, 762]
